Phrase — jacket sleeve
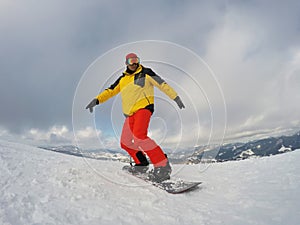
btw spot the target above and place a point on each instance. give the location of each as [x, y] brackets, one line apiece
[110, 92]
[158, 82]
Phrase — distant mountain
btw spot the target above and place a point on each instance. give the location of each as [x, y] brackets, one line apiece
[107, 154]
[233, 151]
[237, 151]
[100, 154]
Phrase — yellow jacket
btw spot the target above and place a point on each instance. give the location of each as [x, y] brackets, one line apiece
[137, 90]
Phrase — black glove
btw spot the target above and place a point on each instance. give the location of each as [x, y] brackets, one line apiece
[92, 104]
[179, 102]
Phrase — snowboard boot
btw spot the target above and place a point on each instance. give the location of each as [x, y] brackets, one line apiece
[141, 167]
[161, 173]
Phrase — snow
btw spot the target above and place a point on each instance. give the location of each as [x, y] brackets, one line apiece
[44, 187]
[247, 152]
[284, 149]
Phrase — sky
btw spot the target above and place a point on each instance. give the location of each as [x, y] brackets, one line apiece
[250, 54]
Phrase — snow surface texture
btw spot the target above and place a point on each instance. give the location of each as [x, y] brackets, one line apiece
[43, 187]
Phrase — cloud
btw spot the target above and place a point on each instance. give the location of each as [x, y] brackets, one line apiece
[90, 137]
[58, 135]
[55, 135]
[252, 47]
[248, 50]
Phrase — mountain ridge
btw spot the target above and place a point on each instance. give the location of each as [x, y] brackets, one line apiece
[194, 155]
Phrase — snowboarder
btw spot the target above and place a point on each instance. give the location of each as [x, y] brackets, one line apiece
[136, 86]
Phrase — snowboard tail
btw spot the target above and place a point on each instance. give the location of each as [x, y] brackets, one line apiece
[170, 186]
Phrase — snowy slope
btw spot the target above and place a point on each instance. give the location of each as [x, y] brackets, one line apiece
[41, 187]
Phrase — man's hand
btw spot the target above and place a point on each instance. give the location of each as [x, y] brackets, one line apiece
[179, 102]
[92, 104]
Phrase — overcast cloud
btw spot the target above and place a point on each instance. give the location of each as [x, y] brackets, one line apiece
[253, 48]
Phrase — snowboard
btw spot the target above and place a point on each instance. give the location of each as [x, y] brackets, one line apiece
[170, 186]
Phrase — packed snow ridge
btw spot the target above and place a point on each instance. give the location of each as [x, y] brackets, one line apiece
[44, 187]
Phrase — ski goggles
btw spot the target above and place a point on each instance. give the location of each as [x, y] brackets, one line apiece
[132, 61]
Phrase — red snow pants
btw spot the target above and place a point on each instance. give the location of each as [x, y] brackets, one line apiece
[134, 138]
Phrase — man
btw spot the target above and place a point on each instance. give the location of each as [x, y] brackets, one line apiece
[136, 86]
